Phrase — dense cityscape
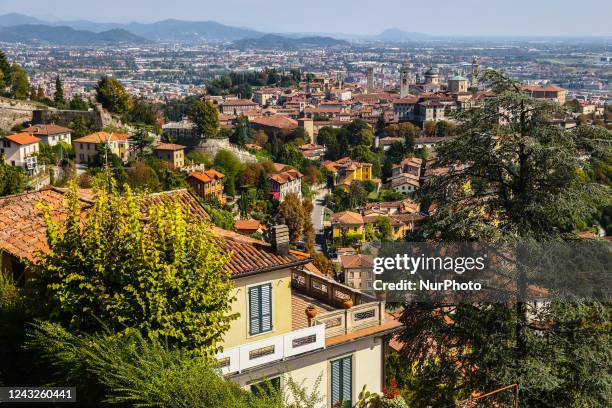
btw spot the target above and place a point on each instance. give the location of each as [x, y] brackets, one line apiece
[194, 214]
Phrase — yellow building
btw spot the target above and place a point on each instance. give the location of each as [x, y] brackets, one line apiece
[334, 353]
[207, 184]
[346, 170]
[348, 224]
[172, 153]
[85, 148]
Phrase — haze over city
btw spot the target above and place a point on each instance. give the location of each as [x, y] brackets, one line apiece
[444, 17]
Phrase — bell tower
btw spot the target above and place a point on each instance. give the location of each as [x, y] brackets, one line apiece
[404, 82]
[474, 75]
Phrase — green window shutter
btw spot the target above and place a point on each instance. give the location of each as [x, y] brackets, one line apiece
[266, 307]
[342, 381]
[260, 309]
[254, 311]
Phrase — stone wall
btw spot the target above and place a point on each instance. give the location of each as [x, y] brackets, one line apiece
[14, 112]
[213, 146]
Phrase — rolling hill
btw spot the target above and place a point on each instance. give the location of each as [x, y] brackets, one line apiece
[44, 34]
[274, 41]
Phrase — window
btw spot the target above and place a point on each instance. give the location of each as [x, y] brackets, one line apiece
[260, 309]
[342, 381]
[6, 143]
[267, 387]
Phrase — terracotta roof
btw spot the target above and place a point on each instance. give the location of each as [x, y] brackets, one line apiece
[206, 176]
[23, 233]
[239, 102]
[356, 261]
[276, 121]
[22, 138]
[285, 176]
[543, 88]
[47, 130]
[168, 146]
[100, 137]
[250, 225]
[347, 218]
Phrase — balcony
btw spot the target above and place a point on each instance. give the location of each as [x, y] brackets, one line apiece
[277, 348]
[308, 335]
[328, 295]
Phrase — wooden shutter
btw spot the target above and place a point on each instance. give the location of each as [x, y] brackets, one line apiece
[254, 311]
[266, 307]
[260, 309]
[335, 382]
[342, 381]
[347, 381]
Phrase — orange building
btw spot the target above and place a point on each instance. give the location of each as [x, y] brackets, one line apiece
[207, 184]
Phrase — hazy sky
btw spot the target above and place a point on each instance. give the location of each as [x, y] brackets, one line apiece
[463, 17]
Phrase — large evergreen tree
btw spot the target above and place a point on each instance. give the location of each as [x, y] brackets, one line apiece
[521, 182]
[20, 84]
[59, 92]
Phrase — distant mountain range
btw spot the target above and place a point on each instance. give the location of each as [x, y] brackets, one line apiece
[21, 28]
[275, 41]
[38, 33]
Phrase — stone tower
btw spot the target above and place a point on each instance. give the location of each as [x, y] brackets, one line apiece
[370, 80]
[404, 82]
[474, 75]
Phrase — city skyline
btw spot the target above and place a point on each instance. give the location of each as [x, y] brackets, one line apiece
[555, 18]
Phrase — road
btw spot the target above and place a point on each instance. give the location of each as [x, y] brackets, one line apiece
[318, 215]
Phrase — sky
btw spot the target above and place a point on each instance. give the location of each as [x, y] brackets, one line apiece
[438, 17]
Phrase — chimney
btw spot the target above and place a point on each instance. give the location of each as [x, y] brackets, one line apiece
[279, 238]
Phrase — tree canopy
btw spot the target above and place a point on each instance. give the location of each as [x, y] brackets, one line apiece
[516, 178]
[206, 118]
[113, 96]
[163, 275]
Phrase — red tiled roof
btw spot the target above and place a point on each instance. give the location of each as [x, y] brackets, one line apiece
[356, 261]
[168, 146]
[22, 138]
[23, 232]
[286, 176]
[249, 225]
[100, 137]
[239, 102]
[276, 121]
[206, 176]
[347, 218]
[47, 130]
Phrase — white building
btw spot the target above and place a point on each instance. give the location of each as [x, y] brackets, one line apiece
[20, 150]
[50, 134]
[285, 182]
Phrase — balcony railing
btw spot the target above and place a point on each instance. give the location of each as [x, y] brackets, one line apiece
[366, 312]
[277, 348]
[358, 317]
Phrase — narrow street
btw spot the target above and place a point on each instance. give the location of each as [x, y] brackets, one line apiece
[318, 215]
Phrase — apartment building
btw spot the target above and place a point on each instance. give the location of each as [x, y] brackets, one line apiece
[345, 170]
[85, 148]
[50, 134]
[285, 182]
[172, 153]
[207, 184]
[342, 343]
[20, 149]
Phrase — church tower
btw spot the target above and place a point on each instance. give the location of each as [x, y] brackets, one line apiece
[474, 75]
[370, 80]
[404, 82]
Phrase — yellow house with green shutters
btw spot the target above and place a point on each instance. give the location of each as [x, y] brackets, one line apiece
[346, 170]
[348, 224]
